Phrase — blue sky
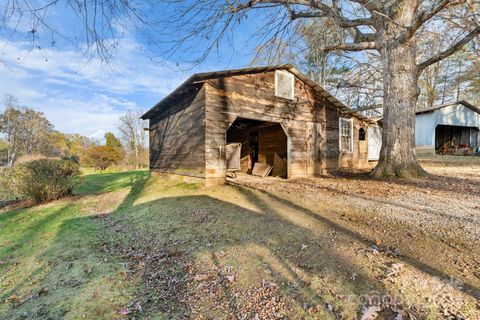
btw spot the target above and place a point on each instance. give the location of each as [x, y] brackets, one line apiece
[88, 97]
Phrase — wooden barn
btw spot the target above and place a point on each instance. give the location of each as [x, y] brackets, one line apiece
[275, 112]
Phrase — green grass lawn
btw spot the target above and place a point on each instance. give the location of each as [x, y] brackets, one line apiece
[128, 245]
[95, 183]
[51, 262]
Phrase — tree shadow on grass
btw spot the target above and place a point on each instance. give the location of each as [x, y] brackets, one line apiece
[33, 231]
[66, 274]
[226, 226]
[196, 226]
[167, 236]
[203, 255]
[184, 246]
[96, 183]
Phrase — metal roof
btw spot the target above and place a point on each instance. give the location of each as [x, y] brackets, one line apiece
[462, 102]
[199, 77]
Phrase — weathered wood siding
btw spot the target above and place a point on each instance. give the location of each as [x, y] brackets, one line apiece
[189, 137]
[358, 158]
[332, 158]
[252, 96]
[331, 148]
[271, 139]
[177, 137]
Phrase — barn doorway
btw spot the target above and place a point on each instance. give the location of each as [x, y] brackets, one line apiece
[262, 142]
[454, 137]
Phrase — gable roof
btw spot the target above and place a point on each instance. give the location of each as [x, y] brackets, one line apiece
[201, 77]
[461, 102]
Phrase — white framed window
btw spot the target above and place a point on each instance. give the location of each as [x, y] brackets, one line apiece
[284, 84]
[345, 127]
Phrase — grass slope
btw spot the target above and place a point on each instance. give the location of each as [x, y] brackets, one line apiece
[132, 246]
[50, 262]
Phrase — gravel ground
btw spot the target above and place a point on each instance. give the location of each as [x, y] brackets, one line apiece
[433, 222]
[445, 206]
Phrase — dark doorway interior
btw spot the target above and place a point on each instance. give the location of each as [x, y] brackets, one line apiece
[260, 141]
[454, 136]
[253, 144]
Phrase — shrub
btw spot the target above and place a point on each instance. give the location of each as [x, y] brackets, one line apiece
[102, 157]
[73, 158]
[29, 157]
[6, 192]
[41, 180]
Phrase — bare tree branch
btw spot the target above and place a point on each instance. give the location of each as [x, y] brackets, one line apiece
[453, 48]
[352, 46]
[363, 37]
[369, 5]
[341, 21]
[372, 107]
[425, 15]
[319, 10]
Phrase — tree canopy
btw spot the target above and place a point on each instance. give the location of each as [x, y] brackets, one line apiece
[27, 132]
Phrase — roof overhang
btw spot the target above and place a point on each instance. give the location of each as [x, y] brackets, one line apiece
[461, 102]
[202, 77]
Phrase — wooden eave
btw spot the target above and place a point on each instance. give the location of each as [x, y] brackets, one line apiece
[199, 78]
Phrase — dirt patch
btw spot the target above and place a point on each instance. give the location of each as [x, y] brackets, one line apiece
[433, 224]
[177, 286]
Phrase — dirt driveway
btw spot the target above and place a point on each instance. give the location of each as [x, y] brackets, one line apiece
[422, 237]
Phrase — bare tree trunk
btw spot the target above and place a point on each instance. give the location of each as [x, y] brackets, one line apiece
[10, 158]
[136, 156]
[445, 82]
[135, 143]
[397, 156]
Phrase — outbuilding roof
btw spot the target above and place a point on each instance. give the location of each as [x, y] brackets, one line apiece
[461, 102]
[200, 77]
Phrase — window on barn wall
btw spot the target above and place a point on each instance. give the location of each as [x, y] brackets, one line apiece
[284, 84]
[346, 135]
[361, 134]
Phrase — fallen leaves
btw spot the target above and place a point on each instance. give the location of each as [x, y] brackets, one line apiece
[13, 298]
[71, 282]
[16, 300]
[370, 313]
[395, 270]
[133, 308]
[388, 311]
[87, 269]
[43, 291]
[164, 270]
[264, 302]
[378, 249]
[231, 278]
[170, 267]
[201, 277]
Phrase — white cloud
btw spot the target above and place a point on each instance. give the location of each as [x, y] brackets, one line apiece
[97, 135]
[79, 97]
[130, 72]
[99, 113]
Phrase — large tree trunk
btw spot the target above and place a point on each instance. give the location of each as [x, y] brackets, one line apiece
[397, 156]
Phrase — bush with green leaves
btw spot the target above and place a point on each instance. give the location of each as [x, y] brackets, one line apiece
[102, 157]
[41, 180]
